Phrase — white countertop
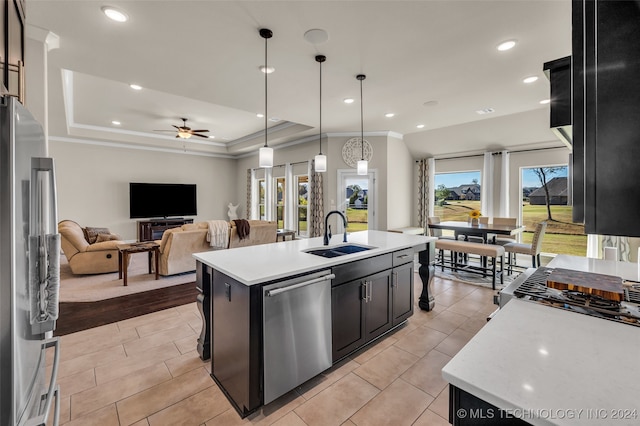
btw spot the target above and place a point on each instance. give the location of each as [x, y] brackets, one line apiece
[266, 262]
[543, 363]
[625, 270]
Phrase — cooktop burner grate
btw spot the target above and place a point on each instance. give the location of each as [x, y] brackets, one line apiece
[535, 289]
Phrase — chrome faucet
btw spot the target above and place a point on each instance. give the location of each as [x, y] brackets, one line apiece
[327, 227]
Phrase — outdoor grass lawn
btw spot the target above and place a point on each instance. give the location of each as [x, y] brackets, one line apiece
[357, 220]
[562, 235]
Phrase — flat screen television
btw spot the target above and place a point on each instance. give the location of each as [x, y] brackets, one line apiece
[149, 200]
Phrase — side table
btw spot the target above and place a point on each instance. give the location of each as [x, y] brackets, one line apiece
[126, 250]
[284, 233]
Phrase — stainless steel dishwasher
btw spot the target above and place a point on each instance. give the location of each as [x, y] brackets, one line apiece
[297, 331]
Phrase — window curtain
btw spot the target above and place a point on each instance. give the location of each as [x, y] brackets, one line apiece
[504, 185]
[250, 194]
[315, 211]
[486, 189]
[426, 181]
[290, 197]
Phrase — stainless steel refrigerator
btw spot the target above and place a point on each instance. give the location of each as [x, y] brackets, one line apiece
[29, 271]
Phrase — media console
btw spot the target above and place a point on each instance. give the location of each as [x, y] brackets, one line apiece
[152, 229]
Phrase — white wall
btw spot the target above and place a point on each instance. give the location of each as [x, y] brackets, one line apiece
[93, 182]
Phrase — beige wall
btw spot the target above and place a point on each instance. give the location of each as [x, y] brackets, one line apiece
[93, 182]
[400, 165]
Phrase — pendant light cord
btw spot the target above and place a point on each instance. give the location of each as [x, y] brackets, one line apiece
[361, 77]
[266, 71]
[320, 127]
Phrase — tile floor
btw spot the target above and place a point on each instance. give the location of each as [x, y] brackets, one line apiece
[145, 371]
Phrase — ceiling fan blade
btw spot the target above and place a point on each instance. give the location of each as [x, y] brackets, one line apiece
[176, 126]
[202, 136]
[177, 136]
[198, 131]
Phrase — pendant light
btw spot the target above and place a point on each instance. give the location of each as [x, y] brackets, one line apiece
[362, 163]
[266, 153]
[320, 159]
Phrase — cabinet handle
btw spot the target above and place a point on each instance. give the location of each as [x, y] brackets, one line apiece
[368, 291]
[394, 280]
[363, 291]
[227, 291]
[402, 256]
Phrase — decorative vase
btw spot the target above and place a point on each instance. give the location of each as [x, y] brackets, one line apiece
[474, 221]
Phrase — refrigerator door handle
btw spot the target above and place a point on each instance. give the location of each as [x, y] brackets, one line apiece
[44, 246]
[53, 391]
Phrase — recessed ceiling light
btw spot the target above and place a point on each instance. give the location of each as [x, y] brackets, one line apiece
[115, 14]
[420, 126]
[531, 79]
[545, 101]
[348, 100]
[269, 69]
[389, 114]
[506, 45]
[485, 111]
[115, 123]
[135, 87]
[260, 115]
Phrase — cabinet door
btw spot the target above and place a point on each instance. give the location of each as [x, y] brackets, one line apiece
[402, 292]
[378, 318]
[347, 318]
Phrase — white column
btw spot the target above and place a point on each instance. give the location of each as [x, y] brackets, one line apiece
[255, 194]
[290, 199]
[431, 184]
[38, 42]
[504, 185]
[269, 194]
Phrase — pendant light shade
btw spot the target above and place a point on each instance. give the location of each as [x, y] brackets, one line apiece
[266, 153]
[320, 159]
[362, 163]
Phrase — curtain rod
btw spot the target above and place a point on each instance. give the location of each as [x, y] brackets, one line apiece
[496, 153]
[282, 165]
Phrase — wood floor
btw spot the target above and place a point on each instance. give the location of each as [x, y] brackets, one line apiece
[78, 316]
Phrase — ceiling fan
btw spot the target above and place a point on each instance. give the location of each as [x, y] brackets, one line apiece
[185, 132]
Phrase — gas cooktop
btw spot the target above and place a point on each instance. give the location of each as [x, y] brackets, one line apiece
[533, 287]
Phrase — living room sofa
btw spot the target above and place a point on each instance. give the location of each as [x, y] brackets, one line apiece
[97, 257]
[178, 244]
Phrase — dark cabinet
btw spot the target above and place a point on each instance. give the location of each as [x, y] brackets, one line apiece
[606, 65]
[360, 312]
[12, 47]
[402, 293]
[149, 230]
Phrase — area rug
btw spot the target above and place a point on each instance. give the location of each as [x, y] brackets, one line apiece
[91, 288]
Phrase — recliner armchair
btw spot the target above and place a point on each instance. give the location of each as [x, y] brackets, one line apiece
[84, 258]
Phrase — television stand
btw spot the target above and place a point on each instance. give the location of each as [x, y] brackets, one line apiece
[152, 229]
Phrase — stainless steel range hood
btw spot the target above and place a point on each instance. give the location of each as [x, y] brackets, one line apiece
[559, 74]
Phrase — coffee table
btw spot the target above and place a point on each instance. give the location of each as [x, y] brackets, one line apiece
[284, 233]
[126, 250]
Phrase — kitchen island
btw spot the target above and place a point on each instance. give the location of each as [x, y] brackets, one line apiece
[542, 365]
[275, 310]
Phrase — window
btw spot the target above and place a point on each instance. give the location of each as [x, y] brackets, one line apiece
[261, 200]
[553, 205]
[456, 194]
[280, 200]
[302, 183]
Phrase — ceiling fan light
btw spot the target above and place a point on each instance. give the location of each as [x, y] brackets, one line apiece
[362, 167]
[321, 163]
[184, 135]
[266, 157]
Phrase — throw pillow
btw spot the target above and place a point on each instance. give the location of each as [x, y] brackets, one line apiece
[106, 237]
[91, 234]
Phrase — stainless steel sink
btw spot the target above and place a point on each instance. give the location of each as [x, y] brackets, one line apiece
[335, 251]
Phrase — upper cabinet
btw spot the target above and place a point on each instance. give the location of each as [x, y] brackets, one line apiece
[12, 16]
[606, 115]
